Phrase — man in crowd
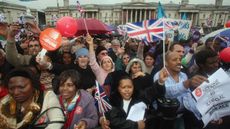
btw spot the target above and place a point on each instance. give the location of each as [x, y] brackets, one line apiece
[12, 55]
[178, 86]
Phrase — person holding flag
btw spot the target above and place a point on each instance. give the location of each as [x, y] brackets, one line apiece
[122, 100]
[127, 107]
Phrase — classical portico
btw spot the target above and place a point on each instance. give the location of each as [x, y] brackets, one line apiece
[191, 15]
[137, 11]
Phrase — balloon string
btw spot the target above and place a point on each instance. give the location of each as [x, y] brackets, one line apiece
[86, 26]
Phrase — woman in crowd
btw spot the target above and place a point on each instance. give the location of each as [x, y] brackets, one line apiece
[124, 98]
[67, 58]
[122, 62]
[77, 104]
[27, 106]
[81, 65]
[141, 80]
[105, 65]
[149, 62]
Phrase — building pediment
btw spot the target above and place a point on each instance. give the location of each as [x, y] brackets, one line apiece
[135, 4]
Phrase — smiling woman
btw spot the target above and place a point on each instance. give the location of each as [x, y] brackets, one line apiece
[77, 104]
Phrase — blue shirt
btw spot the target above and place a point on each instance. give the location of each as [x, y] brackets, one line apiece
[177, 90]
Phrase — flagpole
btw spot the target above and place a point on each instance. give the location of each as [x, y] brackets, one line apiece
[86, 26]
[163, 41]
[82, 12]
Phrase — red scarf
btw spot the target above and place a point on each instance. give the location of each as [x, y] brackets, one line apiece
[3, 92]
[69, 115]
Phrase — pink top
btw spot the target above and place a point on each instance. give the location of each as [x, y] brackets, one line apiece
[99, 72]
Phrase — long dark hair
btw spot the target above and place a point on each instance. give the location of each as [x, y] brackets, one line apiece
[115, 97]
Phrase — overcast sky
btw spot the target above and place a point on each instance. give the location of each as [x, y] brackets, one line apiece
[41, 4]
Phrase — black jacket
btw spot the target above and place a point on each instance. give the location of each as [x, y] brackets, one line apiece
[117, 116]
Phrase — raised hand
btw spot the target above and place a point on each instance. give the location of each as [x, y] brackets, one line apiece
[138, 74]
[12, 31]
[163, 75]
[89, 39]
[32, 26]
[197, 80]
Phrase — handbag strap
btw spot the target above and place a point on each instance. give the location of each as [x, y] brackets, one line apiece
[48, 122]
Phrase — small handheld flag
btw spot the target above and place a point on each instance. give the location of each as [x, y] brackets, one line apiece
[102, 101]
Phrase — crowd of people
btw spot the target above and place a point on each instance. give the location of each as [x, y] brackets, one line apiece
[57, 91]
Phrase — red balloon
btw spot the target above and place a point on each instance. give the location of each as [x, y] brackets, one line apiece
[225, 55]
[50, 39]
[227, 24]
[67, 26]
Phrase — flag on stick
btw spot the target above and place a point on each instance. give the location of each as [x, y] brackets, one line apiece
[80, 9]
[102, 101]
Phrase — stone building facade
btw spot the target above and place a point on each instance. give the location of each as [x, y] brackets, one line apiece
[13, 11]
[121, 13]
[139, 10]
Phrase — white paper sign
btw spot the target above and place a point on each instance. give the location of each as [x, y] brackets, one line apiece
[137, 112]
[213, 98]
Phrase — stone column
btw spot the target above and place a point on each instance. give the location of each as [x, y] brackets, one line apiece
[127, 14]
[93, 15]
[225, 18]
[140, 15]
[150, 13]
[213, 19]
[192, 17]
[9, 17]
[122, 17]
[113, 16]
[154, 15]
[217, 19]
[196, 19]
[97, 15]
[131, 16]
[135, 16]
[145, 11]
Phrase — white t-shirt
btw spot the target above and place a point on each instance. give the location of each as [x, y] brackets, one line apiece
[126, 105]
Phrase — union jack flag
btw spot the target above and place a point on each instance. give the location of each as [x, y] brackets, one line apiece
[169, 25]
[79, 8]
[102, 101]
[122, 30]
[149, 30]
